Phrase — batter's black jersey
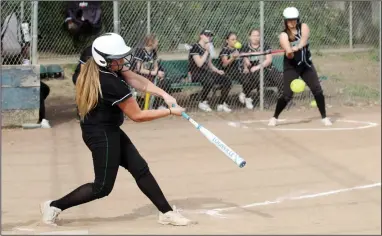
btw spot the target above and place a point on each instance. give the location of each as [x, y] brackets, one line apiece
[235, 65]
[146, 58]
[197, 49]
[85, 55]
[302, 57]
[255, 60]
[107, 113]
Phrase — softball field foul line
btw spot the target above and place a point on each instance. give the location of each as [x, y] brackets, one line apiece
[363, 125]
[216, 212]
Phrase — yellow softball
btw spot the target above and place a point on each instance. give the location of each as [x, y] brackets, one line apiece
[297, 85]
[237, 45]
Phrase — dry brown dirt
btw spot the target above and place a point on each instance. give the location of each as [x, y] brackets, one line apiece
[322, 170]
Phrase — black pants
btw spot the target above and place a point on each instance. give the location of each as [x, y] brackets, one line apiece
[251, 81]
[44, 92]
[309, 75]
[110, 149]
[209, 79]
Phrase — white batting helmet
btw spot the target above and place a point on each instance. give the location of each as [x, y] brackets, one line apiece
[109, 46]
[291, 13]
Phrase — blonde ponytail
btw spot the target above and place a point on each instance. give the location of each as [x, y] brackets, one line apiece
[88, 88]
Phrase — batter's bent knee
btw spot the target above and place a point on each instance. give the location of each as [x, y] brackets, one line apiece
[287, 97]
[317, 91]
[102, 190]
[140, 172]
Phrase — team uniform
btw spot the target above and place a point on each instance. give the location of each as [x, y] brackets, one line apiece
[255, 60]
[110, 146]
[206, 77]
[272, 78]
[235, 71]
[147, 60]
[235, 66]
[300, 65]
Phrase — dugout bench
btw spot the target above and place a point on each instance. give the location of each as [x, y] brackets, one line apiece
[177, 73]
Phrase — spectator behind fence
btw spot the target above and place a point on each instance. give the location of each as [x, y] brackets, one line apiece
[147, 65]
[230, 60]
[203, 71]
[251, 67]
[44, 92]
[15, 45]
[83, 19]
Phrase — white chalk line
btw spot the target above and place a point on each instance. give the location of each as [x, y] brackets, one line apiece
[363, 125]
[217, 211]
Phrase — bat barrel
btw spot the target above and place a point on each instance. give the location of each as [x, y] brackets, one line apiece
[216, 141]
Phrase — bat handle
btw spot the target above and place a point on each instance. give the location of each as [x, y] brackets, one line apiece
[184, 114]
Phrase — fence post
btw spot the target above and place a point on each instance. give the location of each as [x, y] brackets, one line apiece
[34, 56]
[261, 57]
[116, 16]
[22, 11]
[380, 44]
[148, 17]
[351, 25]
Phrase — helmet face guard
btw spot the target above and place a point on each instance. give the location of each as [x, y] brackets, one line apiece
[128, 59]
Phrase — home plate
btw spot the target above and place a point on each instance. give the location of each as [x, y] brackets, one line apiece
[237, 125]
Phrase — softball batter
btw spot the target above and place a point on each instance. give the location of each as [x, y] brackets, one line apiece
[102, 97]
[298, 63]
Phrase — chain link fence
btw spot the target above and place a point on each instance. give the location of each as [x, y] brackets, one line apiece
[56, 42]
[15, 45]
[344, 38]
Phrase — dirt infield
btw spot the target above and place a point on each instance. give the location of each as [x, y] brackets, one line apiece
[304, 180]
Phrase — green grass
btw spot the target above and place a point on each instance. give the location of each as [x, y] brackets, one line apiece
[374, 55]
[71, 67]
[362, 91]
